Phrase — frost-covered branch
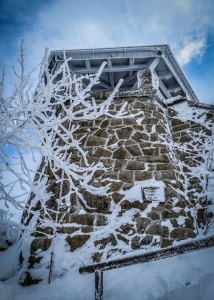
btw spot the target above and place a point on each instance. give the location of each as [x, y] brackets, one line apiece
[193, 156]
[43, 123]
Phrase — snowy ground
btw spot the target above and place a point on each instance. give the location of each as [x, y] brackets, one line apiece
[186, 277]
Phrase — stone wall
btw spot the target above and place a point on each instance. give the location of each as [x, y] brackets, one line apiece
[132, 149]
[137, 151]
[190, 154]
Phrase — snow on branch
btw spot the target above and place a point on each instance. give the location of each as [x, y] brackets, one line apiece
[43, 123]
[193, 157]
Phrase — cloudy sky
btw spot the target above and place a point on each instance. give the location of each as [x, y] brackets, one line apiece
[186, 25]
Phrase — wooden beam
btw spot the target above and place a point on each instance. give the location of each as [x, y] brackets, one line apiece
[87, 64]
[175, 90]
[164, 90]
[110, 69]
[166, 77]
[134, 87]
[131, 63]
[163, 87]
[84, 84]
[103, 84]
[129, 78]
[111, 76]
[153, 62]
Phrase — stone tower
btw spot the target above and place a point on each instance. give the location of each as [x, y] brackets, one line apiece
[149, 203]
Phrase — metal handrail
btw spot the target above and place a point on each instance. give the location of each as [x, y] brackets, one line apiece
[99, 268]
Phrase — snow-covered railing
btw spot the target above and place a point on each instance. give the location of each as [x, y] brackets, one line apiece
[98, 269]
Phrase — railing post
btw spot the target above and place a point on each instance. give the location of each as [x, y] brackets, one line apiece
[143, 258]
[98, 285]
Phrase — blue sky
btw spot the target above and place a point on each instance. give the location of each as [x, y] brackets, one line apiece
[186, 25]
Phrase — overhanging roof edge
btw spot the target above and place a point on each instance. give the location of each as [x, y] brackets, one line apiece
[162, 51]
[180, 73]
[116, 49]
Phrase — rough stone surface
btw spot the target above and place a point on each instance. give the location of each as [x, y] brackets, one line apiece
[68, 230]
[140, 137]
[130, 149]
[97, 257]
[117, 197]
[33, 259]
[121, 153]
[157, 229]
[100, 152]
[77, 241]
[142, 224]
[137, 242]
[42, 231]
[29, 280]
[135, 165]
[143, 176]
[154, 215]
[134, 150]
[166, 243]
[100, 220]
[124, 133]
[42, 244]
[127, 229]
[126, 176]
[105, 241]
[85, 219]
[101, 204]
[95, 141]
[181, 233]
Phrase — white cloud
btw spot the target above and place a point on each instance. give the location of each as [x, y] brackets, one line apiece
[193, 49]
[96, 24]
[69, 24]
[203, 86]
[185, 5]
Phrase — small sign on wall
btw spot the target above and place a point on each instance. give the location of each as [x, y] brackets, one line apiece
[148, 191]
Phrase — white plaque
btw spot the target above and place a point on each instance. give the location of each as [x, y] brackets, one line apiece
[147, 190]
[151, 193]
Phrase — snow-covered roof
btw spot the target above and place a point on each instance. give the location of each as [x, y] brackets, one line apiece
[125, 62]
